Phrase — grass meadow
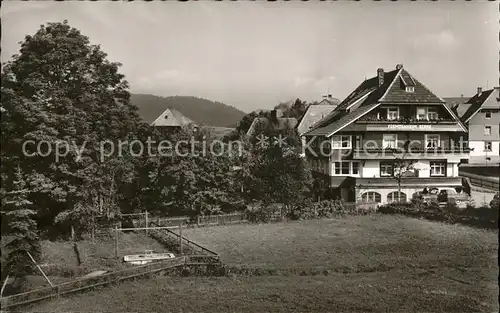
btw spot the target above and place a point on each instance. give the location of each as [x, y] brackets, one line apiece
[375, 263]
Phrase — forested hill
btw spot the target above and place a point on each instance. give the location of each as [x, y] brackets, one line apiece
[203, 111]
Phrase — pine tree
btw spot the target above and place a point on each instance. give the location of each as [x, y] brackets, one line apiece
[21, 229]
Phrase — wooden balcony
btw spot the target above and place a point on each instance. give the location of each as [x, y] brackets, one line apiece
[452, 154]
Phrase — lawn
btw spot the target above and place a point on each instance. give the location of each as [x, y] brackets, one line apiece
[373, 263]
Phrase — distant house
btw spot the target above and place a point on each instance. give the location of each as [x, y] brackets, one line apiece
[173, 119]
[483, 121]
[459, 105]
[329, 100]
[277, 121]
[313, 114]
[353, 150]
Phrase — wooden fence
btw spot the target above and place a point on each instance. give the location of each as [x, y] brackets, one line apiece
[191, 245]
[105, 279]
[482, 181]
[206, 220]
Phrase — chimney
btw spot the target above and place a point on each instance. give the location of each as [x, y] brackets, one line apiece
[479, 91]
[399, 66]
[380, 74]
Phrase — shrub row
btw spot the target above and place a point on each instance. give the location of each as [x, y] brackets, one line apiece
[307, 209]
[485, 217]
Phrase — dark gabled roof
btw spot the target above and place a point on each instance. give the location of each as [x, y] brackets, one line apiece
[367, 88]
[475, 104]
[393, 90]
[397, 92]
[343, 121]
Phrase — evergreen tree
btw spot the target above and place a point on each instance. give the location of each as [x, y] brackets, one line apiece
[21, 229]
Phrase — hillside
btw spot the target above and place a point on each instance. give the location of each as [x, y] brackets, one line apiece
[202, 111]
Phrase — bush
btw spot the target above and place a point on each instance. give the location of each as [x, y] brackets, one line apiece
[495, 203]
[327, 209]
[264, 213]
[482, 216]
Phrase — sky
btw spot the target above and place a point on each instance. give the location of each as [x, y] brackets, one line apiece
[254, 55]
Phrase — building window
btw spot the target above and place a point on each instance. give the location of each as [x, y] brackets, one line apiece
[487, 114]
[427, 114]
[396, 197]
[371, 196]
[410, 89]
[392, 113]
[386, 169]
[355, 168]
[487, 146]
[389, 141]
[346, 168]
[432, 114]
[342, 142]
[432, 141]
[487, 130]
[421, 114]
[438, 168]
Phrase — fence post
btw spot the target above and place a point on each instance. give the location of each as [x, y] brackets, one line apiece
[198, 221]
[116, 241]
[4, 284]
[180, 236]
[146, 222]
[46, 278]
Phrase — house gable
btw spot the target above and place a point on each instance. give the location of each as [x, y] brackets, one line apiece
[171, 118]
[486, 100]
[392, 91]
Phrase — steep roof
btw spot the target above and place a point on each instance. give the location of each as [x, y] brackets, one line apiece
[397, 92]
[363, 94]
[476, 103]
[368, 95]
[342, 121]
[171, 118]
[281, 123]
[313, 114]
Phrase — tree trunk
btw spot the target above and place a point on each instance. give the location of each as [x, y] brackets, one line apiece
[399, 190]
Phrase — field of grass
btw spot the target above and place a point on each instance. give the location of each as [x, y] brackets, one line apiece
[374, 263]
[59, 260]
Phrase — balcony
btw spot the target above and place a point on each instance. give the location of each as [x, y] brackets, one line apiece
[451, 154]
[404, 120]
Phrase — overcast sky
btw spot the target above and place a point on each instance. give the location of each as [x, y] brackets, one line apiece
[254, 55]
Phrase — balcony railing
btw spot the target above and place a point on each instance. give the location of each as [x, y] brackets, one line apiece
[414, 153]
[405, 120]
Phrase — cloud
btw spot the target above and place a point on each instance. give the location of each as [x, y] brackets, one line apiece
[309, 81]
[12, 7]
[444, 39]
[167, 78]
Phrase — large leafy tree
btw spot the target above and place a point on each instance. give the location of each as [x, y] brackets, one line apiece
[191, 179]
[277, 172]
[62, 88]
